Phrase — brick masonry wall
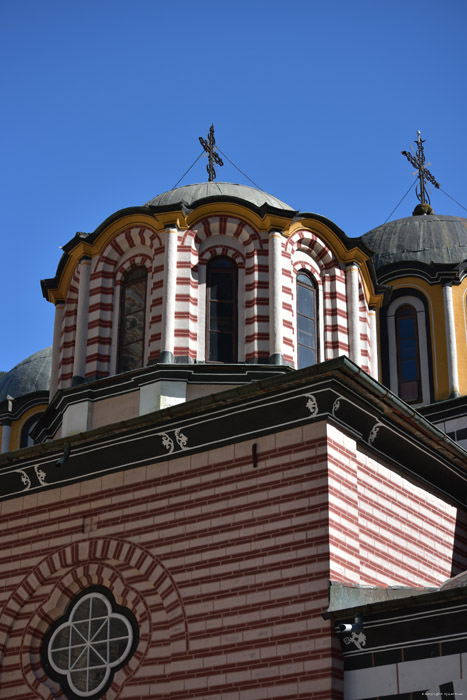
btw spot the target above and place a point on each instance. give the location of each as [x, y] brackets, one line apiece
[224, 565]
[383, 529]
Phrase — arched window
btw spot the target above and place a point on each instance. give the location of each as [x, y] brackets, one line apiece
[25, 437]
[408, 359]
[221, 310]
[132, 320]
[307, 341]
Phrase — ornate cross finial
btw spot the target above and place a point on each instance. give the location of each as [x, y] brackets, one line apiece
[210, 148]
[418, 161]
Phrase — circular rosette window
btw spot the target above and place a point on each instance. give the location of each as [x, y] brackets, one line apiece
[83, 650]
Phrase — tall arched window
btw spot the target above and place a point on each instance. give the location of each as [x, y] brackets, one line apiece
[408, 359]
[221, 310]
[307, 340]
[132, 320]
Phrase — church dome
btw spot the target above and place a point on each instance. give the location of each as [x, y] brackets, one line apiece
[423, 239]
[29, 376]
[190, 195]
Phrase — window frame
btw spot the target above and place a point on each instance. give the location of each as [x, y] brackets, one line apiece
[124, 285]
[61, 676]
[312, 286]
[401, 312]
[233, 268]
[426, 342]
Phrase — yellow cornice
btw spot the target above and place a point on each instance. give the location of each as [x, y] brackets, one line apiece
[162, 220]
[158, 223]
[373, 298]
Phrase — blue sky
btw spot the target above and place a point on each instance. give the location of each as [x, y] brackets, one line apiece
[104, 101]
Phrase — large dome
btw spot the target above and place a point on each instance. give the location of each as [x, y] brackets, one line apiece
[424, 239]
[189, 195]
[30, 375]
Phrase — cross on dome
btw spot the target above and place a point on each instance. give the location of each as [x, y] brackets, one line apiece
[418, 161]
[210, 148]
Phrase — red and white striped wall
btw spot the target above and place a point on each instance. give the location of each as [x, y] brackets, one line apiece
[384, 530]
[267, 263]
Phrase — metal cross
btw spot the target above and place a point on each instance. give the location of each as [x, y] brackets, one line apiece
[418, 161]
[210, 148]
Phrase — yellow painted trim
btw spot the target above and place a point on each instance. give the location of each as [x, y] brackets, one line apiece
[459, 298]
[158, 223]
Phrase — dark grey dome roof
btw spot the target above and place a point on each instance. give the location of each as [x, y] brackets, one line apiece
[425, 239]
[30, 375]
[190, 194]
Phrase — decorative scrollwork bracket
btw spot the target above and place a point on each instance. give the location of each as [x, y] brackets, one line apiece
[312, 404]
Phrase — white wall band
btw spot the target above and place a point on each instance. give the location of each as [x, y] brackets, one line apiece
[451, 341]
[353, 314]
[170, 288]
[275, 297]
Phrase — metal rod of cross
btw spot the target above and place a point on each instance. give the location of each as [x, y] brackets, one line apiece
[424, 175]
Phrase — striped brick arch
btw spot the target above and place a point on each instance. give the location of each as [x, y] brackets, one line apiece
[136, 260]
[132, 247]
[313, 245]
[133, 237]
[310, 266]
[137, 580]
[224, 250]
[330, 279]
[238, 240]
[228, 226]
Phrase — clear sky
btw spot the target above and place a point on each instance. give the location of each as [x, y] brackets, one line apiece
[104, 101]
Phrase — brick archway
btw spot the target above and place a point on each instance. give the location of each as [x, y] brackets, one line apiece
[138, 581]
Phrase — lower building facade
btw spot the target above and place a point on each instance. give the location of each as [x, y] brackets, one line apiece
[188, 553]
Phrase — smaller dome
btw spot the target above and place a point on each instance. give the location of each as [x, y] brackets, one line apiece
[424, 239]
[29, 376]
[189, 195]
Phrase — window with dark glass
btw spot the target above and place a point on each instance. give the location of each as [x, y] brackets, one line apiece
[408, 360]
[306, 321]
[221, 327]
[83, 650]
[132, 320]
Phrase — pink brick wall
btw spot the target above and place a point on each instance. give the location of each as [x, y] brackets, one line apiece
[225, 567]
[383, 529]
